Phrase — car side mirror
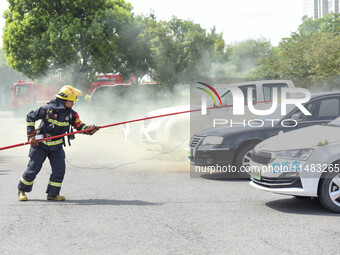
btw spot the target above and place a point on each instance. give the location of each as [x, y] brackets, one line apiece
[290, 122]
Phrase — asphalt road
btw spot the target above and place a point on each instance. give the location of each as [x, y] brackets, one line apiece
[149, 207]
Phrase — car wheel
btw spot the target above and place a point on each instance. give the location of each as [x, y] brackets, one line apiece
[243, 159]
[329, 191]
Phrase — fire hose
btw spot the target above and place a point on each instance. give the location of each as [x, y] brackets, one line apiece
[117, 124]
[106, 126]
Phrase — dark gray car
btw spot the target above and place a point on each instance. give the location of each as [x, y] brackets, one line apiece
[232, 145]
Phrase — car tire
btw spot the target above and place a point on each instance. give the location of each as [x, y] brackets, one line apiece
[329, 191]
[243, 158]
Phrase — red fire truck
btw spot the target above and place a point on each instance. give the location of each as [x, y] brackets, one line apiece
[28, 95]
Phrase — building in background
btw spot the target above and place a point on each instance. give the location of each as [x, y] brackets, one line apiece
[319, 8]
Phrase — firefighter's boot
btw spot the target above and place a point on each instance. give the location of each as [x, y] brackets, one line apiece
[56, 198]
[22, 196]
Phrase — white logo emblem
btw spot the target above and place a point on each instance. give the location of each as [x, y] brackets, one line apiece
[238, 101]
[67, 118]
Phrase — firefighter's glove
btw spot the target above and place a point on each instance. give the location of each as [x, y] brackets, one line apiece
[94, 129]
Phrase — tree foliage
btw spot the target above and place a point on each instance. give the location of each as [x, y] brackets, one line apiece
[311, 53]
[246, 54]
[135, 48]
[88, 37]
[180, 50]
[329, 23]
[103, 36]
[315, 56]
[43, 36]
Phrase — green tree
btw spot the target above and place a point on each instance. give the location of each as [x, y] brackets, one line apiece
[180, 50]
[311, 54]
[329, 23]
[135, 48]
[328, 46]
[314, 56]
[245, 55]
[214, 56]
[268, 65]
[45, 36]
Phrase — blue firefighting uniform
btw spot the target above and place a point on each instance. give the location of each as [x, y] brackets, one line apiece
[56, 120]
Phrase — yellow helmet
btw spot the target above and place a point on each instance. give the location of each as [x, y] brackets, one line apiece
[69, 93]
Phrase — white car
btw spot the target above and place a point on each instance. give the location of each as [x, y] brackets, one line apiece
[302, 163]
[173, 130]
[167, 131]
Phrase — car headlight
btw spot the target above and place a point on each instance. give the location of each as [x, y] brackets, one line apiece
[302, 154]
[212, 140]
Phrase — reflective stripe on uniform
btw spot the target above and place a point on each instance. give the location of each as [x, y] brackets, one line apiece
[84, 127]
[26, 182]
[51, 143]
[55, 184]
[29, 124]
[61, 124]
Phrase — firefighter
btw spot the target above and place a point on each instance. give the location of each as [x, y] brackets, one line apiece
[57, 117]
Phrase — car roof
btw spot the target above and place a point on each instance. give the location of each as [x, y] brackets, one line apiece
[237, 84]
[323, 94]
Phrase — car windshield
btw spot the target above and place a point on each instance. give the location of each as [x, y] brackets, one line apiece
[335, 122]
[21, 90]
